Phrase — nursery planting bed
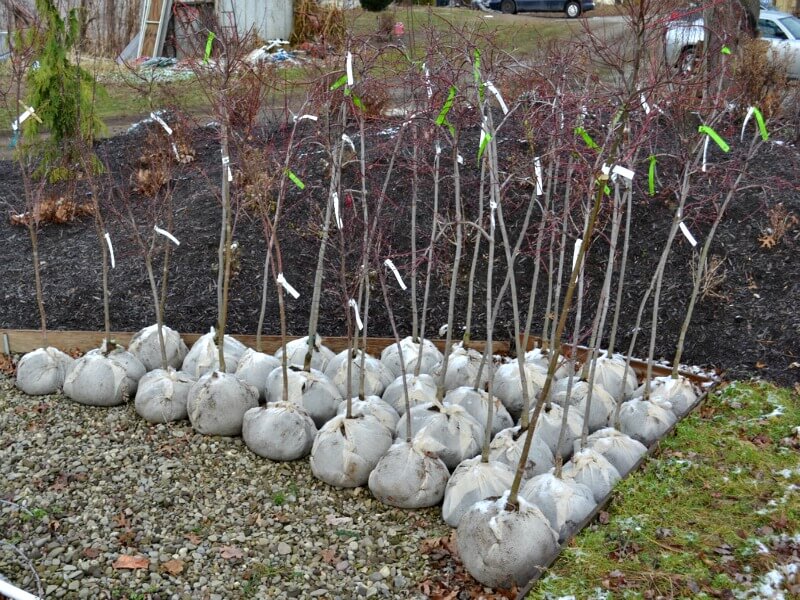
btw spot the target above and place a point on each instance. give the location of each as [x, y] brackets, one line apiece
[748, 326]
[152, 483]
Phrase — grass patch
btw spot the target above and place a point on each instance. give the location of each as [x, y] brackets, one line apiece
[519, 35]
[702, 517]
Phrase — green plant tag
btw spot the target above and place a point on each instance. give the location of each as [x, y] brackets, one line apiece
[725, 50]
[209, 43]
[295, 179]
[762, 126]
[476, 73]
[651, 176]
[486, 139]
[339, 82]
[448, 104]
[723, 145]
[586, 138]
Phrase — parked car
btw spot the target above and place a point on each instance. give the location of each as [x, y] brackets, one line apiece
[780, 29]
[572, 8]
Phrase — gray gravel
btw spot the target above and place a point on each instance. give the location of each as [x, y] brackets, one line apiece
[82, 486]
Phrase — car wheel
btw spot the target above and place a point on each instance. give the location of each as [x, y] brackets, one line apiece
[508, 7]
[573, 9]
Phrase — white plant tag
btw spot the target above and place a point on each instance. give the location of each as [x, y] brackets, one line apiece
[537, 165]
[623, 172]
[496, 92]
[493, 206]
[335, 200]
[161, 122]
[111, 250]
[354, 306]
[427, 80]
[167, 235]
[303, 117]
[287, 286]
[349, 66]
[349, 141]
[687, 234]
[388, 262]
[605, 169]
[750, 112]
[460, 159]
[22, 118]
[645, 105]
[226, 160]
[705, 153]
[230, 175]
[576, 252]
[438, 149]
[175, 150]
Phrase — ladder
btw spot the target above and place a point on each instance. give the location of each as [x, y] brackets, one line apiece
[155, 18]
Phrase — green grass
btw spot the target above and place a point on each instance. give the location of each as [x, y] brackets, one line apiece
[516, 34]
[694, 516]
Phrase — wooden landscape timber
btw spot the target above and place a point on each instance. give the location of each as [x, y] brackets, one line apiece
[19, 341]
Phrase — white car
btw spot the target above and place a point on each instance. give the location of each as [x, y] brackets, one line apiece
[780, 29]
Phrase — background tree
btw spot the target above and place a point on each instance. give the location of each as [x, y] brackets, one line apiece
[62, 92]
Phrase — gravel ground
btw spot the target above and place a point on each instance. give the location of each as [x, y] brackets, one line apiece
[82, 486]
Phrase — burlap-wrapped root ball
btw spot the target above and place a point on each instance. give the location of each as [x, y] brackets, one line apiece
[476, 403]
[134, 369]
[564, 502]
[430, 356]
[203, 356]
[421, 389]
[452, 433]
[679, 392]
[254, 367]
[162, 395]
[408, 476]
[608, 374]
[619, 449]
[279, 431]
[508, 386]
[217, 403]
[645, 421]
[506, 447]
[549, 428]
[541, 359]
[602, 405]
[311, 390]
[592, 470]
[346, 450]
[96, 380]
[297, 349]
[146, 347]
[419, 415]
[371, 405]
[43, 371]
[463, 365]
[473, 481]
[501, 548]
[376, 376]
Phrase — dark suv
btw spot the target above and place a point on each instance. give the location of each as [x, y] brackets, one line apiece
[572, 8]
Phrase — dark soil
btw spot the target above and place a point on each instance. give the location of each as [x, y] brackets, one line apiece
[749, 326]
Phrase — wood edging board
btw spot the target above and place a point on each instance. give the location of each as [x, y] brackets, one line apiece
[651, 451]
[20, 341]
